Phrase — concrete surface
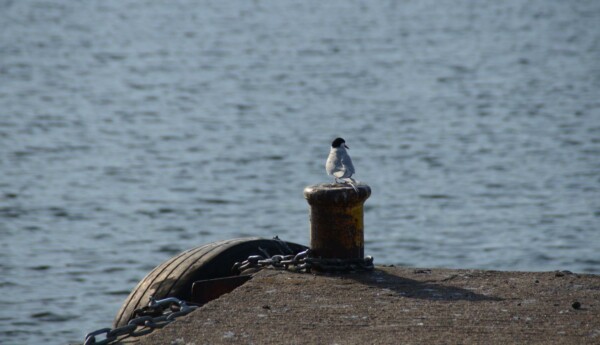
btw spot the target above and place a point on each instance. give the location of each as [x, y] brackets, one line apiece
[397, 306]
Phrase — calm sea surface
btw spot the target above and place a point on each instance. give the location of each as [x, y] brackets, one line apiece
[133, 130]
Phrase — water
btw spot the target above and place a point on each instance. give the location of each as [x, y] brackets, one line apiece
[132, 130]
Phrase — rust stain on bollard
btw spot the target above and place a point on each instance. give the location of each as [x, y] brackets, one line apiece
[336, 220]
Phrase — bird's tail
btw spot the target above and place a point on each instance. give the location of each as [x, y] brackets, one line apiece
[351, 182]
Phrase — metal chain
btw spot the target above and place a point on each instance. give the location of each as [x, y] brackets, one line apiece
[154, 315]
[303, 262]
[147, 322]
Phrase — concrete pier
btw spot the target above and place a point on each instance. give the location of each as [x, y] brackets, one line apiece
[393, 305]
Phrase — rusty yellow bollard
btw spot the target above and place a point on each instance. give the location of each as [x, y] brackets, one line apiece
[336, 220]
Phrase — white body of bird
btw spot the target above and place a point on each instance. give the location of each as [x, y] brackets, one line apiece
[339, 164]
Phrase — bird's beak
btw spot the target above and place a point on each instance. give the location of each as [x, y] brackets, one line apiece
[346, 146]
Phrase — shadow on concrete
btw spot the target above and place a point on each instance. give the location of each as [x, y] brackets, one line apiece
[410, 288]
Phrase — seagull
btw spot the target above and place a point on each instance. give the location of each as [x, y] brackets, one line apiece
[339, 164]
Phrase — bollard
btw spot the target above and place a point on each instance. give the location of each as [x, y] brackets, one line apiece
[336, 220]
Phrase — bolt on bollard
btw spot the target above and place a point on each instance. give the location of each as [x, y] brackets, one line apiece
[336, 220]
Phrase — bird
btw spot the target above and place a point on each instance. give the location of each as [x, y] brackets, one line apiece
[339, 164]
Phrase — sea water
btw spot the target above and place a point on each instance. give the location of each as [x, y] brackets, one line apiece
[132, 130]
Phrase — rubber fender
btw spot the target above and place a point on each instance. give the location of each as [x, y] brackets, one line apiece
[174, 277]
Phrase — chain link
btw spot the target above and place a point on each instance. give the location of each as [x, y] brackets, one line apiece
[154, 315]
[303, 262]
[146, 322]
